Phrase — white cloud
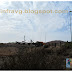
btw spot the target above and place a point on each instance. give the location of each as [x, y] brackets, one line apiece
[32, 25]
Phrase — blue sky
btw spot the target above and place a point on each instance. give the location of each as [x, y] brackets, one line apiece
[56, 26]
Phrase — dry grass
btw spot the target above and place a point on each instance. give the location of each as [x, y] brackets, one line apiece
[30, 57]
[8, 51]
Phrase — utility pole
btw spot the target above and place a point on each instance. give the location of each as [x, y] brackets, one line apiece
[24, 38]
[45, 36]
[70, 26]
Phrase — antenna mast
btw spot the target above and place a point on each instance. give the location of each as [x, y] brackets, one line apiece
[45, 36]
[70, 26]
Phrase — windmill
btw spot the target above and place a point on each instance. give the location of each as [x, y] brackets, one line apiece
[70, 26]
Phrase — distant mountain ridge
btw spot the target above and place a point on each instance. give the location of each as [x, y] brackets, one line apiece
[56, 41]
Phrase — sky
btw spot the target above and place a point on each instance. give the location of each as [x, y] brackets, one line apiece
[36, 27]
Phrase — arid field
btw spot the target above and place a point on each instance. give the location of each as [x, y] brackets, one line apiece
[50, 56]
